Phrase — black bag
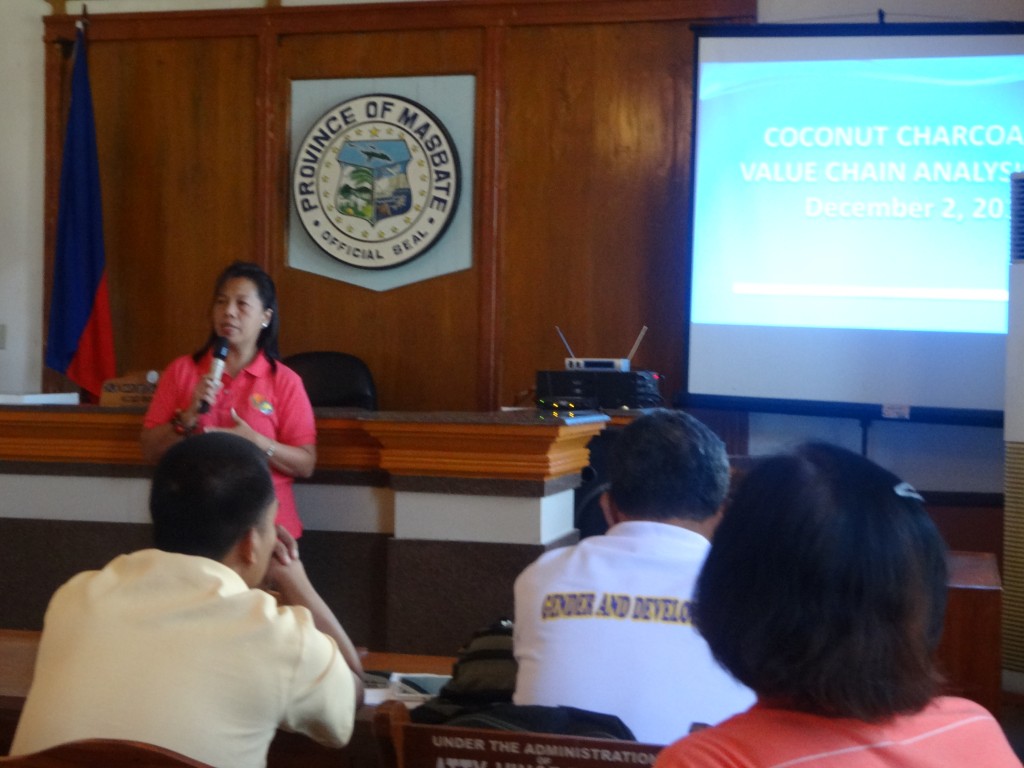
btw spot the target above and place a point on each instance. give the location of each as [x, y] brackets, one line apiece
[485, 670]
[479, 695]
[484, 673]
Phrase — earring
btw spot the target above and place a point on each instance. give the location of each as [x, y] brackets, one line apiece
[264, 325]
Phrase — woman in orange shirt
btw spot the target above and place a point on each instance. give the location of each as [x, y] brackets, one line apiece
[824, 592]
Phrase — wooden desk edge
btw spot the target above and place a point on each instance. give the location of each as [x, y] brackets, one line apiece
[18, 648]
[973, 570]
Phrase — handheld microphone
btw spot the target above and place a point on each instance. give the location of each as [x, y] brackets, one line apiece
[220, 353]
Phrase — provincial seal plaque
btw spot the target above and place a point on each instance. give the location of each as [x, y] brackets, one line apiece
[376, 181]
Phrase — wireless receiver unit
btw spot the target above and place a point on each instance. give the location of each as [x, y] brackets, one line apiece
[589, 383]
[573, 363]
[596, 364]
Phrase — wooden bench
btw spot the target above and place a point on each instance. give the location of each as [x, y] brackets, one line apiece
[403, 744]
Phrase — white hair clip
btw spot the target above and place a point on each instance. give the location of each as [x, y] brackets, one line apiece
[906, 490]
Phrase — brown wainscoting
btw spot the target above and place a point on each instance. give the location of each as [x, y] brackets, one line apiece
[440, 592]
[508, 454]
[348, 569]
[410, 596]
[40, 555]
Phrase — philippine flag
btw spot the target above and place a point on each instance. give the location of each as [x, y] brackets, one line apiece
[80, 340]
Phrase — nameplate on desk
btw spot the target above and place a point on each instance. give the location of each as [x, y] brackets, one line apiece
[134, 389]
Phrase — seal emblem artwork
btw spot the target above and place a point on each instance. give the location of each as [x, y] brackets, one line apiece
[376, 181]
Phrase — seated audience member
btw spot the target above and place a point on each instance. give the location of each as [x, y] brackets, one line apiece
[177, 646]
[604, 625]
[825, 592]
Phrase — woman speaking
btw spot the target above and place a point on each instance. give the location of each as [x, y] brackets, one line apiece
[236, 383]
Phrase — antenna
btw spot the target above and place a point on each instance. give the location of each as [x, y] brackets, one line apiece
[566, 343]
[636, 344]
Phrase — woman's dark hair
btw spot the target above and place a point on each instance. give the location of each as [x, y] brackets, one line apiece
[266, 342]
[825, 587]
[668, 464]
[207, 491]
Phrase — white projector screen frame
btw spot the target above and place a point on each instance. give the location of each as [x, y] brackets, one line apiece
[849, 247]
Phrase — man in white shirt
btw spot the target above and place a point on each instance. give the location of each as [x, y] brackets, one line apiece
[605, 625]
[177, 645]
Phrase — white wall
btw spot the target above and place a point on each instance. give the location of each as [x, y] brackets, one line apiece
[933, 457]
[21, 194]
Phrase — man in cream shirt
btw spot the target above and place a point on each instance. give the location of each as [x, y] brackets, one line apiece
[178, 646]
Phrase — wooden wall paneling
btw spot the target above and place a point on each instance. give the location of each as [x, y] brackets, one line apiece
[421, 341]
[488, 235]
[177, 128]
[581, 150]
[173, 98]
[454, 14]
[595, 152]
[179, 188]
[176, 131]
[418, 340]
[272, 178]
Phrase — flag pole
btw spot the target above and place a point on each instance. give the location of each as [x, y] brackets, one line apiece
[80, 341]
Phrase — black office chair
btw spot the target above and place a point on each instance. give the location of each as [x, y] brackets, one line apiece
[335, 379]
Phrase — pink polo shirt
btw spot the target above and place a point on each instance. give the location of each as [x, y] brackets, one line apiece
[273, 404]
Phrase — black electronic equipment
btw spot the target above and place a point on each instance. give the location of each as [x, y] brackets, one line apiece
[593, 390]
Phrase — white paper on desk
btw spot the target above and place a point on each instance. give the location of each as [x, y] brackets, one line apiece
[399, 689]
[43, 398]
[375, 696]
[420, 683]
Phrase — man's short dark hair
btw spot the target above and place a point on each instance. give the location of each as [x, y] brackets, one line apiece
[668, 464]
[824, 590]
[207, 491]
